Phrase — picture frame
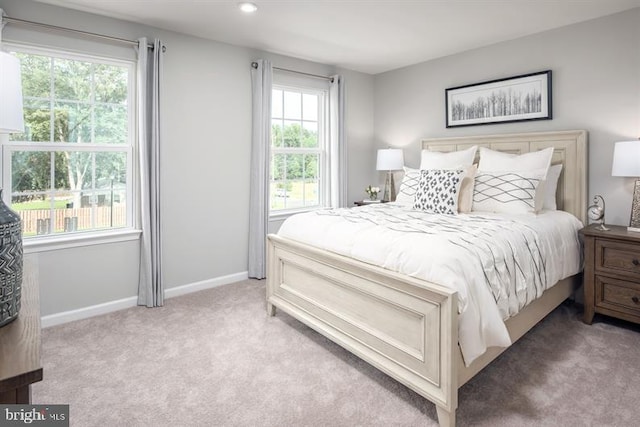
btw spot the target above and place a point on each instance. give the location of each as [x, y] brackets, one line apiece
[512, 99]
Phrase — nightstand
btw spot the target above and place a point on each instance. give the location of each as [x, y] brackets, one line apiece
[363, 203]
[611, 273]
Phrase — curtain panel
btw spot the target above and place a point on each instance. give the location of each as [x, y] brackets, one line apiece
[337, 142]
[150, 286]
[261, 83]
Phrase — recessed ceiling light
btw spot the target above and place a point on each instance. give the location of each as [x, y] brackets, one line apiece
[247, 7]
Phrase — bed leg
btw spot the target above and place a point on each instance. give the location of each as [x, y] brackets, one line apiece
[446, 418]
[271, 309]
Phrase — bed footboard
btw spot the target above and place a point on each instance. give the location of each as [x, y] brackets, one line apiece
[405, 327]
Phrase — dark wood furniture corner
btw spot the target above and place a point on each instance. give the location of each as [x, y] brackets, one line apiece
[20, 364]
[611, 273]
[363, 203]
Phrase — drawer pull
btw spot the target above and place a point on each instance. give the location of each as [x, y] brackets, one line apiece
[635, 299]
[635, 262]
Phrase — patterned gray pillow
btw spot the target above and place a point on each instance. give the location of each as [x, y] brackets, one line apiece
[438, 191]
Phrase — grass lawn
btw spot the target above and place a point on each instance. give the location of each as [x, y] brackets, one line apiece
[295, 197]
[39, 204]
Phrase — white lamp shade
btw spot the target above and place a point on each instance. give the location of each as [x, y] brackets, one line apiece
[11, 118]
[390, 159]
[626, 159]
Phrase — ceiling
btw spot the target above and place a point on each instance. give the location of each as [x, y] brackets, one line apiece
[370, 36]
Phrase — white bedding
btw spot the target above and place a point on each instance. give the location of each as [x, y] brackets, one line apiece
[498, 263]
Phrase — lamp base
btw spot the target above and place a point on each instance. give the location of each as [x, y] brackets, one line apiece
[634, 222]
[389, 188]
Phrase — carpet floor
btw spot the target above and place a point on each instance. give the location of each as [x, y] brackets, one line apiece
[214, 358]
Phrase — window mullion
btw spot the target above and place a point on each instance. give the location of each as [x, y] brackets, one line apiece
[52, 110]
[52, 198]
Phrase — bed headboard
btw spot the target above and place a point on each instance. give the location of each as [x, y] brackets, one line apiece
[570, 149]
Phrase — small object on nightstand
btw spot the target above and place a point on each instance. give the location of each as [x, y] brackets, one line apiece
[372, 192]
[596, 212]
[611, 273]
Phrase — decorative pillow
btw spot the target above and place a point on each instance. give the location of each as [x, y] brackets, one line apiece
[496, 161]
[506, 192]
[450, 160]
[410, 181]
[438, 191]
[408, 186]
[465, 200]
[551, 187]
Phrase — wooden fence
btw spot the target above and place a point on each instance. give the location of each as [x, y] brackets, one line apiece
[37, 221]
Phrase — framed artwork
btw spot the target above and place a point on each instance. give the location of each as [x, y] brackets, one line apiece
[513, 99]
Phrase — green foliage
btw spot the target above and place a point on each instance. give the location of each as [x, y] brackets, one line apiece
[294, 166]
[85, 102]
[294, 136]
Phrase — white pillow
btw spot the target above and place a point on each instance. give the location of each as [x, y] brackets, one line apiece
[496, 161]
[507, 192]
[551, 187]
[438, 191]
[408, 187]
[465, 200]
[450, 160]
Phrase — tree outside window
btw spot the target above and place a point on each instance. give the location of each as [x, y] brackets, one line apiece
[70, 169]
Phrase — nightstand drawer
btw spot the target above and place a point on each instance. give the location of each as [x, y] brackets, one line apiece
[618, 295]
[617, 257]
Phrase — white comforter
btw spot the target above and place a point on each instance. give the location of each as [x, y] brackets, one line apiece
[498, 263]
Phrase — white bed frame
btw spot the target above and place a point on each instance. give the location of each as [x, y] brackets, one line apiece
[406, 327]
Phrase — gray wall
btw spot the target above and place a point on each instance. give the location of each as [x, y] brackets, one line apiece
[596, 86]
[207, 118]
[206, 125]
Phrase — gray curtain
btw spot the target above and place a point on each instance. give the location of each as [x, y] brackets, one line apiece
[338, 160]
[150, 286]
[261, 78]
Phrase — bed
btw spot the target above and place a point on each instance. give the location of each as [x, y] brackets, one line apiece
[405, 326]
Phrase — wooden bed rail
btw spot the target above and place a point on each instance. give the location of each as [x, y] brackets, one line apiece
[405, 327]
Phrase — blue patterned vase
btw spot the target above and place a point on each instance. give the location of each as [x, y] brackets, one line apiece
[10, 263]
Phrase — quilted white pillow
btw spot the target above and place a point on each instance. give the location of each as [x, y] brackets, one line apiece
[507, 192]
[408, 187]
[438, 191]
[450, 160]
[497, 161]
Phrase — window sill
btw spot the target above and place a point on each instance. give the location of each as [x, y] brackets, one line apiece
[53, 243]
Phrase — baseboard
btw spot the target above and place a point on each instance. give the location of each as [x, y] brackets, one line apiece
[205, 284]
[86, 312]
[111, 306]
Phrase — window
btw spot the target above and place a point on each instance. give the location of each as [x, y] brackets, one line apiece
[298, 149]
[71, 169]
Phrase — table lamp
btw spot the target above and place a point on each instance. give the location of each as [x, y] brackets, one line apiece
[11, 120]
[626, 162]
[389, 159]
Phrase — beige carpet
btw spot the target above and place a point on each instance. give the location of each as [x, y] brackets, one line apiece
[214, 358]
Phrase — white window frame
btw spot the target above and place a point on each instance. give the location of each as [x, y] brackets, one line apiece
[322, 150]
[89, 237]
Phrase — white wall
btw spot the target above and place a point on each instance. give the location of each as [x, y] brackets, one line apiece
[206, 127]
[596, 86]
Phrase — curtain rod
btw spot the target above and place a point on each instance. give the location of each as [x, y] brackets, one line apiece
[9, 20]
[317, 76]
